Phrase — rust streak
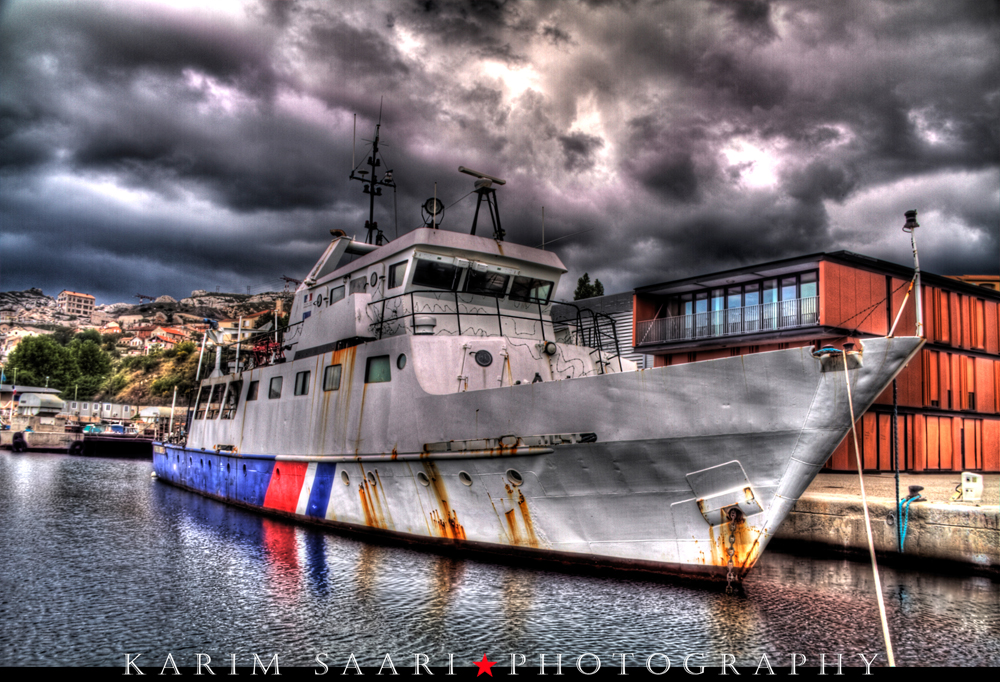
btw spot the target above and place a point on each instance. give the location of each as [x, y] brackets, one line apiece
[515, 536]
[529, 525]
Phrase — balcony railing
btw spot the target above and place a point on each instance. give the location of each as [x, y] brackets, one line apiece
[799, 312]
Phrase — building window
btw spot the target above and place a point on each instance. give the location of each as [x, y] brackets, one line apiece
[252, 390]
[331, 378]
[396, 274]
[302, 383]
[378, 370]
[274, 391]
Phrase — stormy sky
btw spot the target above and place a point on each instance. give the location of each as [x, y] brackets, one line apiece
[160, 147]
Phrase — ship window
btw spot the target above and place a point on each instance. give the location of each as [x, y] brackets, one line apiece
[302, 383]
[435, 275]
[489, 283]
[252, 390]
[336, 294]
[216, 402]
[530, 289]
[232, 399]
[378, 370]
[275, 389]
[396, 274]
[202, 404]
[331, 378]
[359, 285]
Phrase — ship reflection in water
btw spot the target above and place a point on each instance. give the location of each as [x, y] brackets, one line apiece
[98, 560]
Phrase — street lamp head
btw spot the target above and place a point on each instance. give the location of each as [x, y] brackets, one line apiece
[911, 221]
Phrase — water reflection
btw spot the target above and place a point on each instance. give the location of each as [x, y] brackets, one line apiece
[97, 559]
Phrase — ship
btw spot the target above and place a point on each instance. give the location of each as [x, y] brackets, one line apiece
[422, 393]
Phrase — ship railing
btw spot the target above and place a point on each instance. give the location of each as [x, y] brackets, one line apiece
[459, 313]
[464, 313]
[798, 312]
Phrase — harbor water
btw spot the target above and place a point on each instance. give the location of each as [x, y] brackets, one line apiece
[98, 561]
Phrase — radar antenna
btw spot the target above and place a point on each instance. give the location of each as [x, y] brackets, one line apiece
[484, 188]
[373, 187]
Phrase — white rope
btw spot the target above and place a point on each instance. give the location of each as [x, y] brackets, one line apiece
[868, 524]
[901, 306]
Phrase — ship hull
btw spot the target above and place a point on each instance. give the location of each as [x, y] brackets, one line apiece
[663, 470]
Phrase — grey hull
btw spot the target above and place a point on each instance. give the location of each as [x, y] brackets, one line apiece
[684, 463]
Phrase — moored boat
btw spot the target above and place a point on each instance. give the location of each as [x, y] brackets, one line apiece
[421, 391]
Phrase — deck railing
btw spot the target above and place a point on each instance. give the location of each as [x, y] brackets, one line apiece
[798, 312]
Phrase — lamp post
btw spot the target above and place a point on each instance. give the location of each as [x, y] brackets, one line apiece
[911, 227]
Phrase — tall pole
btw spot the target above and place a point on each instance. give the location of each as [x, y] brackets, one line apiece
[170, 429]
[197, 376]
[239, 335]
[910, 226]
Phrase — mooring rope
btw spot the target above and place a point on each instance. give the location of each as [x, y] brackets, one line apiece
[868, 524]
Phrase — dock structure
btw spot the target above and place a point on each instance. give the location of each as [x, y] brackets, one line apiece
[941, 533]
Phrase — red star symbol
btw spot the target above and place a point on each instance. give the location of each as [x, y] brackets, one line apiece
[484, 666]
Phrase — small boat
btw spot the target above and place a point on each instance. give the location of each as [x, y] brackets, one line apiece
[421, 392]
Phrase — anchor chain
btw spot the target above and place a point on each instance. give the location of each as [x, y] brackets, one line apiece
[734, 517]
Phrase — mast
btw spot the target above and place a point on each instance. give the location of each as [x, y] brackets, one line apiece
[373, 188]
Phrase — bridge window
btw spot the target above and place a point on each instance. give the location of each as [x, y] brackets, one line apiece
[201, 404]
[331, 378]
[216, 402]
[378, 370]
[252, 390]
[302, 383]
[274, 391]
[336, 294]
[488, 283]
[396, 274]
[436, 275]
[530, 289]
[232, 399]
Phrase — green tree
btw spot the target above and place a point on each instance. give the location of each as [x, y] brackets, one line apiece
[38, 357]
[584, 289]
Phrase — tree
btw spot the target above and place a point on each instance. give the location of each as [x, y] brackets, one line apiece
[584, 289]
[38, 357]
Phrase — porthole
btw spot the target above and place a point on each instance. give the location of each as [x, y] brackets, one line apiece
[374, 280]
[371, 478]
[483, 358]
[277, 472]
[464, 478]
[209, 464]
[201, 462]
[401, 361]
[227, 467]
[345, 478]
[514, 477]
[422, 477]
[244, 469]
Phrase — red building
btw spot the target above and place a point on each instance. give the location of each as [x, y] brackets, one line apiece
[948, 397]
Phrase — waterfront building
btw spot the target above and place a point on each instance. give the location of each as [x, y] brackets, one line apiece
[74, 303]
[948, 397]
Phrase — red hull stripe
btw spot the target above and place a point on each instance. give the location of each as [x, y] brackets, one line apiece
[285, 486]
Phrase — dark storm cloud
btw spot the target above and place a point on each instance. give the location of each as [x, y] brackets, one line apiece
[186, 149]
[579, 149]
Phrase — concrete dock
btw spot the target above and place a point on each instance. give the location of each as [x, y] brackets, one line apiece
[941, 533]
